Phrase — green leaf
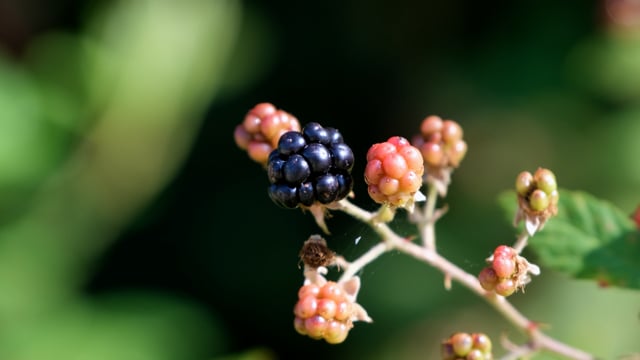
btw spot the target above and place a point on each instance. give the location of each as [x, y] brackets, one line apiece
[590, 238]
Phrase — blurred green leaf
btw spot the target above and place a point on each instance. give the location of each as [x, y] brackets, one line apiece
[590, 238]
[124, 326]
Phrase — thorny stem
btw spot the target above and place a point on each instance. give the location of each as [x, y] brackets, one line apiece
[428, 254]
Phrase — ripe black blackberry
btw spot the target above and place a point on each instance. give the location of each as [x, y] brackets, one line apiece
[311, 166]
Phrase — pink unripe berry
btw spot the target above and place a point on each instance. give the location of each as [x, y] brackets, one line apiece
[308, 290]
[432, 153]
[315, 326]
[331, 290]
[430, 125]
[327, 308]
[539, 200]
[457, 152]
[394, 171]
[306, 307]
[344, 310]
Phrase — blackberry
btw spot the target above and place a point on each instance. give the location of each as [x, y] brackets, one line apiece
[310, 166]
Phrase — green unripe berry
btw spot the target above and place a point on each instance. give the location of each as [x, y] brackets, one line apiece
[545, 180]
[462, 343]
[524, 183]
[539, 200]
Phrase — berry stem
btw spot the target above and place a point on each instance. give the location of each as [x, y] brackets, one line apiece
[391, 241]
[428, 220]
[521, 242]
[371, 254]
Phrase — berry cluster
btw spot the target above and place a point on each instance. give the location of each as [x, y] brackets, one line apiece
[440, 142]
[394, 172]
[323, 312]
[503, 274]
[261, 129]
[308, 167]
[537, 198]
[539, 191]
[464, 346]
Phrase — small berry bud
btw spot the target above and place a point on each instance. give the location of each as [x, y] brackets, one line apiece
[464, 346]
[537, 197]
[442, 147]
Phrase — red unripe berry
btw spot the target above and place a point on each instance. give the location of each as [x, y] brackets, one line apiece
[374, 172]
[488, 278]
[504, 251]
[504, 266]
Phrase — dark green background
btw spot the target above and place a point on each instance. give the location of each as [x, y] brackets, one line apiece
[547, 83]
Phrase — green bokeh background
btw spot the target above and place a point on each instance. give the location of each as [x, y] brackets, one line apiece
[133, 228]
